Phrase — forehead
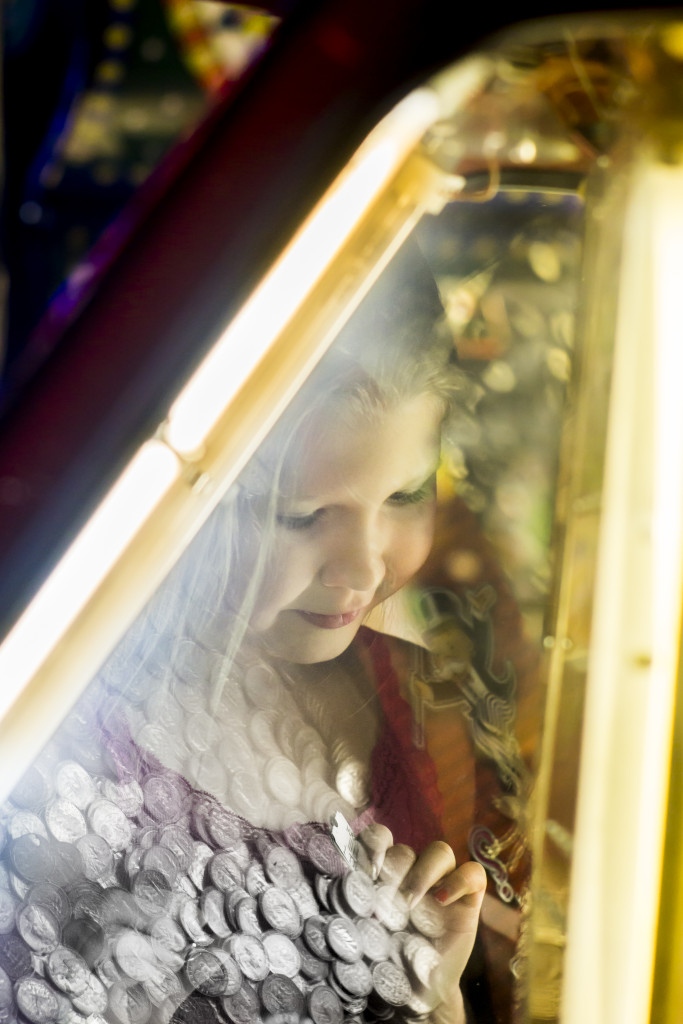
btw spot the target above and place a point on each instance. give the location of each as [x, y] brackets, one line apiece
[395, 447]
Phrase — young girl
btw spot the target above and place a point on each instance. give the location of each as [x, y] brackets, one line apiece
[251, 704]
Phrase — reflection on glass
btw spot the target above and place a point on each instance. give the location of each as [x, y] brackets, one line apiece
[301, 786]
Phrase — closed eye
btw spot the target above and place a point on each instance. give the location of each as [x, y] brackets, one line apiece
[300, 522]
[424, 493]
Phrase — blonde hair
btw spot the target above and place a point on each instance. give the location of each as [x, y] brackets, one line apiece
[395, 346]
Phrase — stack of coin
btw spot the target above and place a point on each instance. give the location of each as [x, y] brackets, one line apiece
[146, 901]
[248, 742]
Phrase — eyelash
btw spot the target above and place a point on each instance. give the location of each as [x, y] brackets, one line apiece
[300, 522]
[399, 499]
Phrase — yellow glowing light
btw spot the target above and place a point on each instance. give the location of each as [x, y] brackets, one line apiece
[100, 544]
[621, 811]
[251, 333]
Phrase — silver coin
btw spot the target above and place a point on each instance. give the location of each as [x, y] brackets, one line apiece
[391, 983]
[180, 843]
[15, 957]
[224, 827]
[247, 918]
[355, 978]
[165, 798]
[231, 902]
[126, 795]
[352, 782]
[313, 969]
[109, 821]
[322, 885]
[262, 686]
[374, 938]
[74, 784]
[164, 711]
[213, 910]
[283, 956]
[243, 1007]
[324, 855]
[34, 788]
[428, 916]
[18, 886]
[93, 999]
[133, 861]
[233, 975]
[280, 995]
[86, 938]
[261, 731]
[359, 893]
[287, 731]
[32, 856]
[6, 996]
[152, 892]
[24, 823]
[247, 795]
[38, 928]
[160, 858]
[421, 957]
[135, 955]
[37, 1000]
[391, 908]
[166, 934]
[224, 871]
[283, 780]
[206, 771]
[98, 858]
[68, 971]
[192, 921]
[129, 1004]
[279, 910]
[164, 988]
[249, 955]
[282, 867]
[202, 732]
[201, 855]
[205, 972]
[8, 911]
[304, 900]
[315, 938]
[343, 938]
[255, 879]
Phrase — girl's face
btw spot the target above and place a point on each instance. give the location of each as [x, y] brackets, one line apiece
[356, 525]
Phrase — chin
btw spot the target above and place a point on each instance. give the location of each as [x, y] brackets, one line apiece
[310, 647]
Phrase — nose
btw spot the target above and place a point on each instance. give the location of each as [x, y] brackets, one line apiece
[355, 561]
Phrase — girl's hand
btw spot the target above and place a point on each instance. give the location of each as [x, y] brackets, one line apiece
[453, 894]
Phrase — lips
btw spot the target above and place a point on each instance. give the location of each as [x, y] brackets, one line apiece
[335, 621]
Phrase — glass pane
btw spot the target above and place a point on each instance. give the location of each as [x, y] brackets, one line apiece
[373, 657]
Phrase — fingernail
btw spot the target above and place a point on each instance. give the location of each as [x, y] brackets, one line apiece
[374, 871]
[441, 895]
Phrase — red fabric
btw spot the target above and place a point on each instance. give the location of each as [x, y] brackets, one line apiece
[405, 792]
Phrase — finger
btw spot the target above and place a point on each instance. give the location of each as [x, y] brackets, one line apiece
[466, 885]
[397, 863]
[376, 840]
[436, 861]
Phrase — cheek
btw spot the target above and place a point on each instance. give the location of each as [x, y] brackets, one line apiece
[412, 545]
[286, 575]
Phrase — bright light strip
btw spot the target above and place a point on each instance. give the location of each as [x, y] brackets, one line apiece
[138, 491]
[630, 699]
[248, 337]
[668, 455]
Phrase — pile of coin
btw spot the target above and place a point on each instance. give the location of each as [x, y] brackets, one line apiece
[247, 739]
[144, 900]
